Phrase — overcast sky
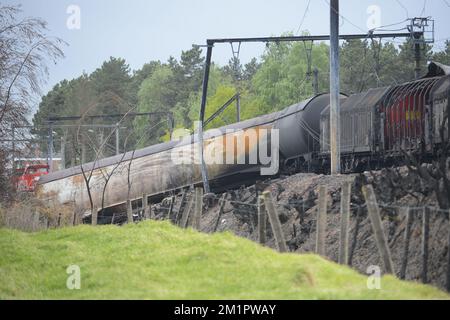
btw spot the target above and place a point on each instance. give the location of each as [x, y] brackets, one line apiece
[145, 30]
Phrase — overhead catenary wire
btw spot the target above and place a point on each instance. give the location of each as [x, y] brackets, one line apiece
[423, 8]
[404, 8]
[344, 18]
[389, 25]
[303, 18]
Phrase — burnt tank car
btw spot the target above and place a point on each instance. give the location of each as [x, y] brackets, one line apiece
[164, 168]
[378, 126]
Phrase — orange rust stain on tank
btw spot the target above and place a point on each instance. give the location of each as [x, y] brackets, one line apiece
[77, 179]
[229, 147]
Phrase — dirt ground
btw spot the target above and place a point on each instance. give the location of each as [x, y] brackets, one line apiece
[296, 203]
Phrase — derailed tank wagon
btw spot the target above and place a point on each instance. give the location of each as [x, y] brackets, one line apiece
[377, 127]
[166, 168]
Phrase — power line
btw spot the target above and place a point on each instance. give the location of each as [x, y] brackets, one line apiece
[303, 18]
[404, 8]
[390, 25]
[392, 30]
[448, 4]
[423, 9]
[344, 18]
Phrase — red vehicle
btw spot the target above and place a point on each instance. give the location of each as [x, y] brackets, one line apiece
[26, 178]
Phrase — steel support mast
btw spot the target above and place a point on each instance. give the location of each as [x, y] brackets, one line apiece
[335, 136]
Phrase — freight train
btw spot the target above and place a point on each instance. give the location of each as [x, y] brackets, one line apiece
[377, 127]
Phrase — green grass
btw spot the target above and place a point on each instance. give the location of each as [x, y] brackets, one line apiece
[155, 260]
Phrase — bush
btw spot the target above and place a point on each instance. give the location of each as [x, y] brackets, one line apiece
[29, 214]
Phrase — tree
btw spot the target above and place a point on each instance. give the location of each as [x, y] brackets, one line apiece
[282, 79]
[111, 81]
[405, 63]
[444, 55]
[138, 77]
[156, 94]
[25, 51]
[234, 70]
[171, 87]
[250, 69]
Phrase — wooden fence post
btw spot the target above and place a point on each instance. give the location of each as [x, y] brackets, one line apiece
[355, 235]
[345, 223]
[274, 222]
[262, 218]
[198, 208]
[150, 211]
[407, 237]
[182, 201]
[375, 219]
[169, 213]
[425, 237]
[186, 212]
[129, 211]
[223, 200]
[94, 216]
[36, 220]
[321, 225]
[145, 206]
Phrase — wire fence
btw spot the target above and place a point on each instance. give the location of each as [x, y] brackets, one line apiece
[419, 235]
[250, 207]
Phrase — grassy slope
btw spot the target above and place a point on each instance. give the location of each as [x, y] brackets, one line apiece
[155, 260]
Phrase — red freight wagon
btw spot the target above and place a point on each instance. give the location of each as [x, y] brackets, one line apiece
[405, 115]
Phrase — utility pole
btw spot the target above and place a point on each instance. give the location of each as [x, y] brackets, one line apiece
[203, 168]
[422, 33]
[316, 81]
[416, 58]
[335, 134]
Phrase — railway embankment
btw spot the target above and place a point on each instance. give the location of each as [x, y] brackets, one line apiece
[296, 201]
[156, 260]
